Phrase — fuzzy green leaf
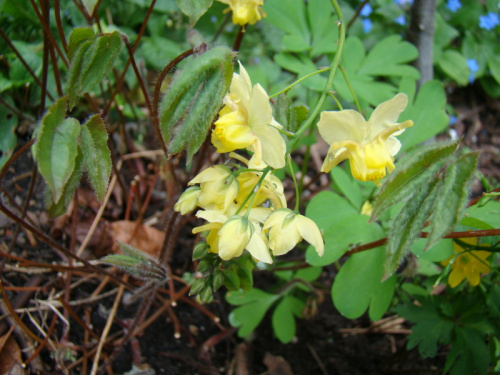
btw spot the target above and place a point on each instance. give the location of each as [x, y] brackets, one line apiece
[78, 36]
[96, 154]
[136, 263]
[408, 224]
[194, 99]
[60, 207]
[57, 147]
[92, 61]
[194, 9]
[414, 169]
[452, 197]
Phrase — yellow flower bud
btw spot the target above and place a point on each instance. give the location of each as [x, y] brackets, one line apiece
[188, 201]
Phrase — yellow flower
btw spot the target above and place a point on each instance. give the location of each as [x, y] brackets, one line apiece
[245, 11]
[369, 145]
[230, 236]
[246, 121]
[219, 187]
[270, 189]
[287, 229]
[467, 264]
[188, 200]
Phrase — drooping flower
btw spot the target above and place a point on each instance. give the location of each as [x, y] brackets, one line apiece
[246, 121]
[245, 11]
[218, 186]
[467, 264]
[230, 236]
[270, 189]
[188, 200]
[287, 229]
[369, 145]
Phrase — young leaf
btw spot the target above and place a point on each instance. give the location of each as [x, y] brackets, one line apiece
[453, 197]
[93, 59]
[57, 147]
[137, 264]
[78, 36]
[96, 154]
[194, 9]
[408, 224]
[414, 169]
[194, 98]
[60, 207]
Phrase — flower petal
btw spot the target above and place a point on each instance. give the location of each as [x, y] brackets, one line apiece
[311, 233]
[340, 126]
[386, 114]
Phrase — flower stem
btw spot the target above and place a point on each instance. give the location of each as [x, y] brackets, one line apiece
[297, 195]
[299, 80]
[350, 88]
[333, 68]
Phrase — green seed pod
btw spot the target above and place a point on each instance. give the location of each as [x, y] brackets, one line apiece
[197, 286]
[206, 295]
[200, 250]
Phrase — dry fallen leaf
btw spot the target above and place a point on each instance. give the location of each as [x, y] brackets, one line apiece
[147, 239]
[10, 355]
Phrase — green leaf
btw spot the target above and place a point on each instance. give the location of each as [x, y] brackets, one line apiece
[342, 226]
[8, 138]
[290, 16]
[253, 305]
[431, 328]
[358, 285]
[348, 186]
[92, 61]
[57, 147]
[283, 320]
[61, 206]
[414, 169]
[194, 9]
[388, 58]
[453, 196]
[468, 352]
[96, 154]
[78, 36]
[455, 66]
[194, 99]
[427, 112]
[494, 65]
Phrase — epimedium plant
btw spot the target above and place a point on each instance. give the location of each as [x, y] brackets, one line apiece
[421, 209]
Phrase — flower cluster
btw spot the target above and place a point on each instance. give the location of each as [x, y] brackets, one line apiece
[489, 21]
[245, 208]
[467, 264]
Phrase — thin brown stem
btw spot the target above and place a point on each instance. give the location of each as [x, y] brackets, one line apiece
[239, 38]
[49, 33]
[60, 30]
[138, 75]
[22, 60]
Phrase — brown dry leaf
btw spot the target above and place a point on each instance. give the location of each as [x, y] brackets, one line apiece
[147, 239]
[10, 355]
[277, 365]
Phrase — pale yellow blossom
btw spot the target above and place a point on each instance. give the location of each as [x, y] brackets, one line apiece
[246, 121]
[369, 145]
[188, 201]
[287, 229]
